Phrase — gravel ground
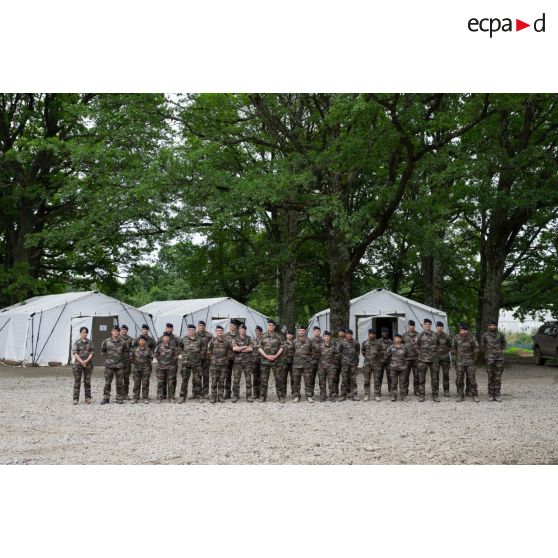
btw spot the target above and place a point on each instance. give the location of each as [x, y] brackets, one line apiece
[39, 425]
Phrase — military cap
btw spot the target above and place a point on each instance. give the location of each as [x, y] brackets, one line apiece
[398, 335]
[166, 334]
[301, 327]
[219, 327]
[201, 322]
[341, 330]
[427, 321]
[349, 331]
[143, 337]
[411, 322]
[270, 321]
[463, 325]
[440, 324]
[191, 326]
[234, 321]
[124, 326]
[385, 329]
[242, 326]
[326, 332]
[372, 330]
[170, 325]
[316, 327]
[258, 328]
[290, 332]
[492, 322]
[115, 328]
[144, 326]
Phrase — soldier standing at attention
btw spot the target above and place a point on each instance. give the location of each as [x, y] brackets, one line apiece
[127, 365]
[316, 340]
[82, 350]
[397, 354]
[141, 358]
[410, 339]
[173, 340]
[493, 345]
[465, 350]
[302, 365]
[327, 366]
[444, 361]
[243, 347]
[385, 344]
[427, 347]
[218, 352]
[205, 336]
[338, 341]
[149, 341]
[350, 351]
[256, 365]
[271, 348]
[191, 346]
[115, 351]
[288, 355]
[230, 337]
[166, 354]
[371, 351]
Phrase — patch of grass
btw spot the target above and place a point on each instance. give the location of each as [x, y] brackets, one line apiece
[518, 351]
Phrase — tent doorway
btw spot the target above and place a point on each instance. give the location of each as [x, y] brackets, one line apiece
[364, 323]
[390, 323]
[100, 330]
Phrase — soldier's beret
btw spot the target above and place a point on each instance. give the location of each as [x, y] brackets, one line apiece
[301, 327]
[349, 331]
[258, 328]
[316, 327]
[326, 332]
[385, 329]
[219, 327]
[191, 326]
[411, 322]
[242, 326]
[170, 325]
[440, 324]
[290, 332]
[115, 328]
[398, 335]
[463, 325]
[270, 321]
[123, 326]
[166, 334]
[143, 337]
[234, 321]
[427, 321]
[201, 322]
[341, 330]
[144, 326]
[372, 330]
[492, 322]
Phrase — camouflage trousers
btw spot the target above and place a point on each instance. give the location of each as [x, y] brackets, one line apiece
[278, 373]
[110, 373]
[127, 371]
[327, 378]
[227, 387]
[166, 382]
[469, 371]
[348, 380]
[379, 378]
[315, 366]
[494, 369]
[256, 378]
[399, 378]
[373, 369]
[288, 375]
[218, 374]
[434, 377]
[240, 368]
[445, 366]
[298, 373]
[413, 365]
[141, 382]
[196, 372]
[205, 377]
[86, 372]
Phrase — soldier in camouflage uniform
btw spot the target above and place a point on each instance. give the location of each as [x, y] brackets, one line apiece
[397, 356]
[385, 344]
[410, 339]
[316, 340]
[371, 351]
[327, 368]
[465, 351]
[218, 352]
[115, 351]
[256, 364]
[288, 356]
[192, 347]
[149, 341]
[337, 342]
[82, 351]
[230, 336]
[304, 349]
[243, 347]
[205, 336]
[350, 351]
[427, 348]
[141, 358]
[444, 361]
[493, 344]
[166, 354]
[173, 340]
[129, 340]
[271, 348]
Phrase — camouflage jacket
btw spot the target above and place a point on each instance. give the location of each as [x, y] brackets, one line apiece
[444, 346]
[166, 355]
[151, 343]
[83, 349]
[115, 352]
[410, 339]
[218, 351]
[288, 352]
[271, 344]
[129, 340]
[256, 357]
[192, 349]
[385, 344]
[230, 337]
[304, 352]
[141, 358]
[397, 356]
[372, 350]
[465, 349]
[206, 338]
[173, 340]
[493, 345]
[243, 358]
[316, 342]
[328, 354]
[427, 346]
[350, 351]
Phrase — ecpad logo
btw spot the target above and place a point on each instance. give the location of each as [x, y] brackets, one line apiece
[492, 25]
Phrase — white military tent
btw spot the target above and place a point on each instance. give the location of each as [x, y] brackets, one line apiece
[41, 329]
[381, 308]
[213, 311]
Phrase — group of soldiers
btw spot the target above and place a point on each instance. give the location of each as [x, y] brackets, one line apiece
[217, 363]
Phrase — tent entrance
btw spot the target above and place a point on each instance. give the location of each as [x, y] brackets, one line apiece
[365, 322]
[101, 328]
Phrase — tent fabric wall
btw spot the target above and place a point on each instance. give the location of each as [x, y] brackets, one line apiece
[42, 329]
[212, 311]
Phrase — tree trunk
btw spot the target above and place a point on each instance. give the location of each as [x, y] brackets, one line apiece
[339, 270]
[287, 288]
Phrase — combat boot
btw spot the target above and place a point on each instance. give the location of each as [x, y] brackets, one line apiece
[366, 397]
[355, 398]
[76, 401]
[172, 399]
[104, 401]
[460, 398]
[182, 400]
[436, 398]
[88, 400]
[498, 398]
[378, 398]
[323, 398]
[282, 399]
[296, 399]
[333, 399]
[476, 399]
[160, 400]
[120, 401]
[212, 400]
[342, 398]
[394, 397]
[446, 393]
[127, 397]
[250, 400]
[134, 401]
[310, 399]
[146, 401]
[234, 398]
[201, 398]
[262, 399]
[421, 399]
[404, 398]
